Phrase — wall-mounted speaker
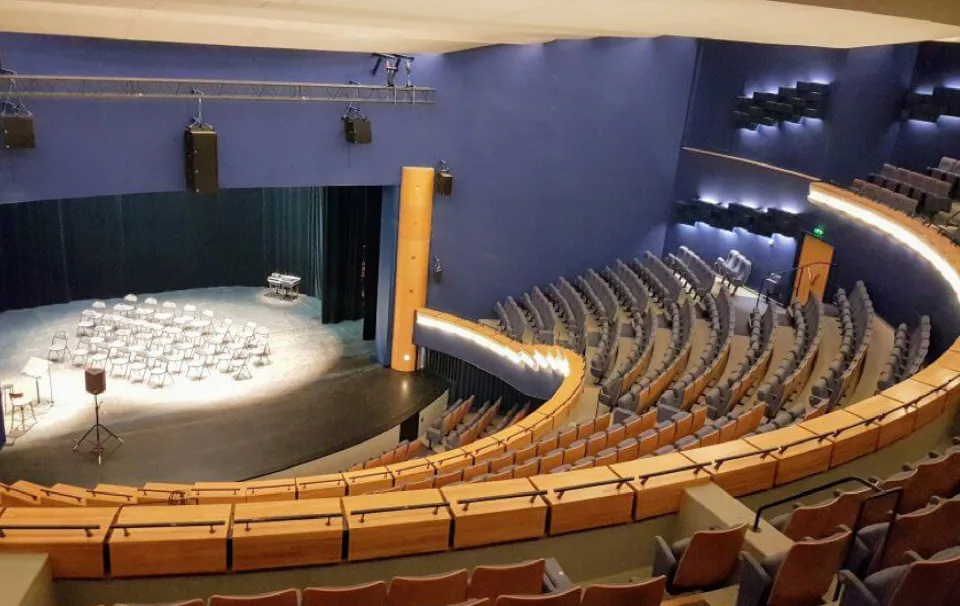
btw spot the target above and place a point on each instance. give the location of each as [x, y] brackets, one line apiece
[95, 380]
[444, 184]
[357, 130]
[202, 164]
[18, 132]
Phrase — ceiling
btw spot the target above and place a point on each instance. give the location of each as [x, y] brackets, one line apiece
[427, 26]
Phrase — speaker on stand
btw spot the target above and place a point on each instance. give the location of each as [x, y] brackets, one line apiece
[95, 381]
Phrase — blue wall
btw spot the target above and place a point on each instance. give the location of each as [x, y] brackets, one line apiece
[922, 144]
[547, 142]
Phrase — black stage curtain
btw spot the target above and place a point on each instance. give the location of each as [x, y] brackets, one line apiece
[60, 250]
[467, 380]
[351, 255]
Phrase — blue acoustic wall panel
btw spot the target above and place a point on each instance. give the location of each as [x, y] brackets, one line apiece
[922, 144]
[563, 153]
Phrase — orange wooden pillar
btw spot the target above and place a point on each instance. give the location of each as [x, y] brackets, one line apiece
[413, 257]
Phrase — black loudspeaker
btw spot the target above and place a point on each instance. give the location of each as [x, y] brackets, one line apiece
[96, 380]
[203, 174]
[18, 132]
[444, 184]
[357, 130]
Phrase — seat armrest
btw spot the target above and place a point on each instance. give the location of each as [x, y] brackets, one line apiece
[555, 580]
[755, 583]
[663, 561]
[855, 593]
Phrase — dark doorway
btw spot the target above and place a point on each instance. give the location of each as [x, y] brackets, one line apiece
[351, 255]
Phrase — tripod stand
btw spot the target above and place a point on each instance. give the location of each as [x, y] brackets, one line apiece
[98, 443]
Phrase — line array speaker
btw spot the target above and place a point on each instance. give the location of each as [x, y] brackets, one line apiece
[18, 132]
[444, 184]
[357, 130]
[200, 147]
[95, 380]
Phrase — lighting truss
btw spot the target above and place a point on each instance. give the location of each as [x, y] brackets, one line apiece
[240, 90]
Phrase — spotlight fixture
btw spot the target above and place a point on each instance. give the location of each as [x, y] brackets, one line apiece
[943, 101]
[443, 184]
[357, 128]
[788, 104]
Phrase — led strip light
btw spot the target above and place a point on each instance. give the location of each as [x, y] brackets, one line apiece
[895, 230]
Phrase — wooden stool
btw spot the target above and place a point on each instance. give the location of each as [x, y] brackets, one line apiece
[15, 404]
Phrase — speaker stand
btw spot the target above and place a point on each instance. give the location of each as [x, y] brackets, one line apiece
[98, 443]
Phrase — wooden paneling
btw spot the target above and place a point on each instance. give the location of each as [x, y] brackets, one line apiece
[315, 487]
[851, 443]
[162, 550]
[586, 508]
[812, 278]
[800, 461]
[662, 494]
[498, 521]
[895, 425]
[271, 490]
[367, 481]
[283, 543]
[73, 554]
[929, 406]
[380, 535]
[739, 476]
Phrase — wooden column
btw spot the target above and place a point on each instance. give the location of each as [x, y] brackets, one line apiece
[413, 256]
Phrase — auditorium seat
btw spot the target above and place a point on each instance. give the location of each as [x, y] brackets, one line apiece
[917, 583]
[798, 577]
[287, 597]
[196, 602]
[434, 590]
[648, 592]
[701, 562]
[570, 597]
[491, 582]
[367, 594]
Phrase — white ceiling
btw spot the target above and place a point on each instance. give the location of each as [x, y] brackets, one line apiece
[424, 26]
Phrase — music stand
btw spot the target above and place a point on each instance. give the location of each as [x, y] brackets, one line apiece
[35, 368]
[98, 443]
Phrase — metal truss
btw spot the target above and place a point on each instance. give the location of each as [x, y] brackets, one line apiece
[27, 86]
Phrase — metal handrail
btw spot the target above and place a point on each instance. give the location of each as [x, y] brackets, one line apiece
[365, 512]
[695, 468]
[337, 480]
[217, 489]
[288, 518]
[533, 494]
[21, 491]
[109, 493]
[50, 491]
[126, 528]
[368, 475]
[808, 492]
[745, 455]
[565, 489]
[86, 528]
[783, 449]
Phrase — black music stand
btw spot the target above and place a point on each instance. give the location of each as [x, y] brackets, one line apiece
[98, 443]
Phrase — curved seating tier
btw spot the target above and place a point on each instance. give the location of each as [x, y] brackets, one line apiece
[573, 313]
[908, 355]
[697, 275]
[635, 364]
[328, 519]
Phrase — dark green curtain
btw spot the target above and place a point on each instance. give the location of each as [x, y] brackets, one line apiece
[351, 255]
[60, 250]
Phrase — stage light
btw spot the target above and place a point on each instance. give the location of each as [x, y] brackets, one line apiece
[357, 128]
[16, 121]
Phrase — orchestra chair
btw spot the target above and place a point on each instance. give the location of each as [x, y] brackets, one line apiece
[287, 597]
[433, 590]
[367, 594]
[58, 346]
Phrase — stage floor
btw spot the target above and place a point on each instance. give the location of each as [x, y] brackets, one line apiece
[323, 392]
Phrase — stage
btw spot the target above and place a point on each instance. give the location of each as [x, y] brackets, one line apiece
[321, 392]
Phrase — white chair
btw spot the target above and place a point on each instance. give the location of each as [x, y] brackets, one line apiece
[98, 359]
[159, 371]
[208, 316]
[187, 314]
[58, 346]
[197, 365]
[79, 353]
[120, 361]
[239, 367]
[132, 299]
[261, 353]
[99, 306]
[224, 328]
[137, 367]
[249, 329]
[87, 324]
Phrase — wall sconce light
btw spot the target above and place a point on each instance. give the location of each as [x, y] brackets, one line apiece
[436, 270]
[788, 104]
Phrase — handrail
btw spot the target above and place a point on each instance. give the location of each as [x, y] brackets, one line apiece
[218, 489]
[86, 528]
[816, 436]
[695, 468]
[565, 489]
[406, 469]
[126, 528]
[287, 518]
[337, 480]
[369, 475]
[744, 455]
[50, 491]
[21, 491]
[365, 512]
[533, 494]
[808, 492]
[109, 493]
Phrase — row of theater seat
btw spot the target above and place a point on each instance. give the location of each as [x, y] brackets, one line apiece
[795, 368]
[438, 431]
[608, 347]
[948, 171]
[752, 367]
[734, 269]
[856, 318]
[692, 270]
[931, 194]
[635, 363]
[471, 430]
[686, 390]
[631, 291]
[909, 352]
[900, 202]
[512, 321]
[536, 582]
[652, 265]
[403, 451]
[573, 313]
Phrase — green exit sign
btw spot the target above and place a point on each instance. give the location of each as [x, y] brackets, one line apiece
[819, 230]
